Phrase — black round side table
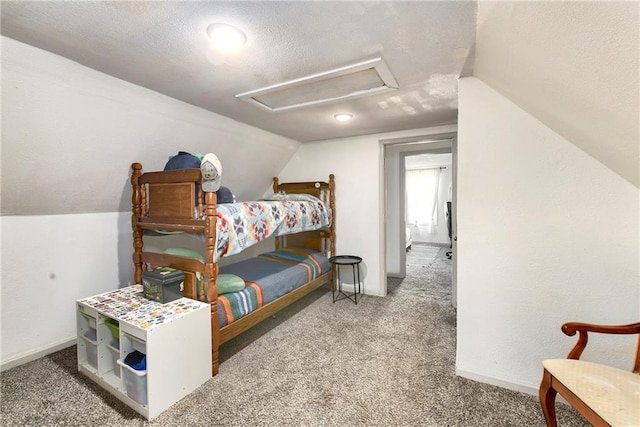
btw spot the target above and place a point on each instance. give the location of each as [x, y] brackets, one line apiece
[346, 260]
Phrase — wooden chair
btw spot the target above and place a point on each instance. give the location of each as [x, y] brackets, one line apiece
[604, 395]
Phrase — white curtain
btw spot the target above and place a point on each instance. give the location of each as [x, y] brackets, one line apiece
[421, 199]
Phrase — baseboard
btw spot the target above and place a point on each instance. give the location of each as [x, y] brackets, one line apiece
[443, 244]
[371, 294]
[23, 358]
[523, 388]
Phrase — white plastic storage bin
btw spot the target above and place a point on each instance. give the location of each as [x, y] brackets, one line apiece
[115, 356]
[136, 382]
[91, 345]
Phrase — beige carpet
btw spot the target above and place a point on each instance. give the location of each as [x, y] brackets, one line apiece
[422, 254]
[385, 362]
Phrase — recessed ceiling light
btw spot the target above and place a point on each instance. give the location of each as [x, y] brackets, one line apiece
[226, 37]
[343, 117]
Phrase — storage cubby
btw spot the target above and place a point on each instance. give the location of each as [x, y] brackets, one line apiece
[87, 341]
[174, 337]
[115, 356]
[135, 383]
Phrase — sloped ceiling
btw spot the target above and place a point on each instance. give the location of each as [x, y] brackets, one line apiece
[70, 134]
[573, 66]
[163, 46]
[149, 84]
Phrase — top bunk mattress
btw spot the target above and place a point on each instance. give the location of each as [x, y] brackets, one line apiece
[241, 225]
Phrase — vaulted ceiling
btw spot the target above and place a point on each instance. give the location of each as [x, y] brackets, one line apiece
[164, 46]
[572, 65]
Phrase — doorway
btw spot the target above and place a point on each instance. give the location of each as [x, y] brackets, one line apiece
[395, 220]
[428, 188]
[428, 194]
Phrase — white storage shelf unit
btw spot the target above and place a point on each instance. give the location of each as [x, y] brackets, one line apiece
[175, 337]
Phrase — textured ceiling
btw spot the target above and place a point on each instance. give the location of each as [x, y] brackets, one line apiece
[163, 46]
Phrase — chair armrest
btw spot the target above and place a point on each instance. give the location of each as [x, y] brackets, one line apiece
[571, 328]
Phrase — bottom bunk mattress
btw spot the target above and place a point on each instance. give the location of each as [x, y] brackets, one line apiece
[268, 277]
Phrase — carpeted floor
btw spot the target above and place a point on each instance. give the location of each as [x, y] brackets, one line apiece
[422, 254]
[384, 362]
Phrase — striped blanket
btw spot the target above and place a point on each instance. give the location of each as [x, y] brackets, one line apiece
[268, 277]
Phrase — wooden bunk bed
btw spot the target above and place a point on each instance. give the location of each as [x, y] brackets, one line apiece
[172, 201]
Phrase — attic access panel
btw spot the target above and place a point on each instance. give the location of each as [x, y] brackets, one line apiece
[360, 79]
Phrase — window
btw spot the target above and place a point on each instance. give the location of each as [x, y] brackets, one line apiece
[421, 186]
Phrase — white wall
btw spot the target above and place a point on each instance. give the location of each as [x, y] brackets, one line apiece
[69, 135]
[357, 164]
[395, 240]
[574, 66]
[49, 262]
[546, 235]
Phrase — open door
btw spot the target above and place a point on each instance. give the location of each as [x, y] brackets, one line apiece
[393, 196]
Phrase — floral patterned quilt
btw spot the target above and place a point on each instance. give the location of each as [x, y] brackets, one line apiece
[240, 225]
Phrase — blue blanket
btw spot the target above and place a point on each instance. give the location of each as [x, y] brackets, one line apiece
[268, 277]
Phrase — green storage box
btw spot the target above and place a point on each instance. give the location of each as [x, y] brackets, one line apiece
[162, 284]
[114, 327]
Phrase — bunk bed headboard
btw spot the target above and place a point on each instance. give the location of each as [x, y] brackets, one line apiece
[315, 188]
[171, 194]
[166, 200]
[320, 240]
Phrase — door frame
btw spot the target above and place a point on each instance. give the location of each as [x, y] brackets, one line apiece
[411, 146]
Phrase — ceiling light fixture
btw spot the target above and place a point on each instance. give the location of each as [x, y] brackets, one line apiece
[226, 37]
[343, 117]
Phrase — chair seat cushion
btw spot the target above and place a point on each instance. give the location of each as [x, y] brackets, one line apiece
[612, 393]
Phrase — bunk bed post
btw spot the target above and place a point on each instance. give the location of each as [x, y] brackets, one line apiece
[277, 240]
[136, 199]
[332, 204]
[332, 227]
[211, 274]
